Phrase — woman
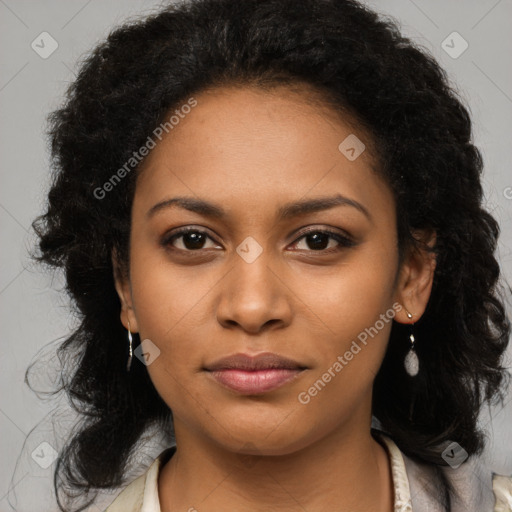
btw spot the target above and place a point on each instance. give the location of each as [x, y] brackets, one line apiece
[270, 218]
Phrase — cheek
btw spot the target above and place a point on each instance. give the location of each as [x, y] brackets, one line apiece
[353, 296]
[165, 294]
[171, 306]
[356, 304]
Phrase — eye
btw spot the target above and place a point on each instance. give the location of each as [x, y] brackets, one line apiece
[317, 240]
[193, 239]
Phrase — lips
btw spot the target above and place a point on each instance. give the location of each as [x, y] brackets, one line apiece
[264, 361]
[258, 374]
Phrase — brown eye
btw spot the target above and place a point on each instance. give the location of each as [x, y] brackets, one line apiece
[318, 240]
[191, 240]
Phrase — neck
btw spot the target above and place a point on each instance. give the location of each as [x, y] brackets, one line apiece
[347, 470]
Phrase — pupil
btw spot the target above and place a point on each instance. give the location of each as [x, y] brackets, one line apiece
[318, 243]
[193, 240]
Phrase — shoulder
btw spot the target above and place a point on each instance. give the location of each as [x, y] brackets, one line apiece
[468, 487]
[502, 487]
[130, 498]
[141, 495]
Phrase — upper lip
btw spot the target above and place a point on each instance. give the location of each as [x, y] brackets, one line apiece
[263, 361]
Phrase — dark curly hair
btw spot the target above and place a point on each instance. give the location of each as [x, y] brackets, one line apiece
[421, 135]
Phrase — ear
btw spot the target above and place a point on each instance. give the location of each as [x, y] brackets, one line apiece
[416, 277]
[123, 288]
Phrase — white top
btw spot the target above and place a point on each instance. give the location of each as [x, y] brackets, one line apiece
[141, 495]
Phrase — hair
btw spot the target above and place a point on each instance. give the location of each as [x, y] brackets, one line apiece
[422, 139]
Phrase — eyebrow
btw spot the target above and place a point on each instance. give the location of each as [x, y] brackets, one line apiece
[286, 211]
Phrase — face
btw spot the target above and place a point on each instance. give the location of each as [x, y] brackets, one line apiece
[258, 274]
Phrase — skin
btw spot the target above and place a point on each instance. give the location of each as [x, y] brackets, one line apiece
[250, 151]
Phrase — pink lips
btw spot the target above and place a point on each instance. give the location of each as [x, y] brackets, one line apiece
[254, 374]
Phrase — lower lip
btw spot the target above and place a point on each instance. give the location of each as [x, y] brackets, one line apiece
[252, 382]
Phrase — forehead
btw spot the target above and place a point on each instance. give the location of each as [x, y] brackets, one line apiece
[248, 147]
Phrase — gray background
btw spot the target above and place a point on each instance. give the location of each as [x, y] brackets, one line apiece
[34, 314]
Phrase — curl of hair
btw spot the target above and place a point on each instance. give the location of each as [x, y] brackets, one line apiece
[421, 132]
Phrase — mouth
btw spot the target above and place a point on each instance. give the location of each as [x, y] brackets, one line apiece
[252, 375]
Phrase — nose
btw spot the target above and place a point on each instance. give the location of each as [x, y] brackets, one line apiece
[253, 297]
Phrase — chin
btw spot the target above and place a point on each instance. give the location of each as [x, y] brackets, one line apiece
[268, 439]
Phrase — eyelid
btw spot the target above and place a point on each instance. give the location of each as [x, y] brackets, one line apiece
[344, 239]
[326, 230]
[178, 232]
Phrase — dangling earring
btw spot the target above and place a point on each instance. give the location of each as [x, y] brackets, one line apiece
[131, 351]
[411, 361]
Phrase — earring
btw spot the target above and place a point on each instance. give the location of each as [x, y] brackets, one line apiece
[411, 361]
[131, 351]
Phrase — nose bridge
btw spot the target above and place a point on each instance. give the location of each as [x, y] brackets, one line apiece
[254, 278]
[252, 295]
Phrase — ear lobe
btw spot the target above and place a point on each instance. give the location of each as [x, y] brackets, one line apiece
[417, 277]
[123, 289]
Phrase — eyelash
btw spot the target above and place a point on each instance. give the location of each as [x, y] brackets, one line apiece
[344, 241]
